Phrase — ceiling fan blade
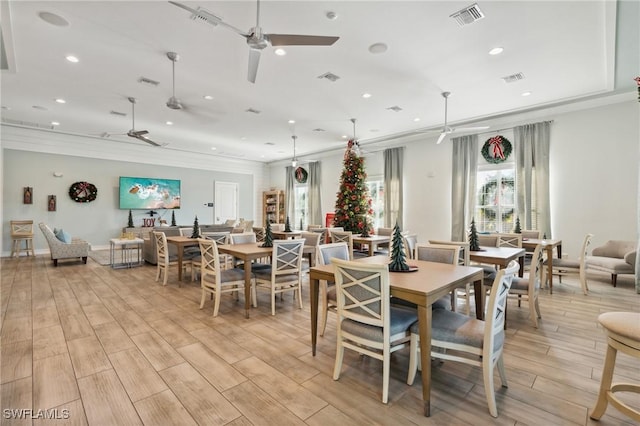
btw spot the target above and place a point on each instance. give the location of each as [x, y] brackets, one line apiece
[208, 17]
[468, 129]
[441, 137]
[300, 40]
[137, 133]
[254, 61]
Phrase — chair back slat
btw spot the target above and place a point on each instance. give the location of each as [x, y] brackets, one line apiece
[532, 234]
[244, 238]
[510, 240]
[438, 253]
[220, 237]
[463, 255]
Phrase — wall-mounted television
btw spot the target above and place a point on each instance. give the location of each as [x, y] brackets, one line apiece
[149, 193]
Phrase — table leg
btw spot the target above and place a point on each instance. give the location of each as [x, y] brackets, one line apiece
[521, 270]
[550, 266]
[314, 285]
[424, 322]
[247, 287]
[180, 255]
[479, 295]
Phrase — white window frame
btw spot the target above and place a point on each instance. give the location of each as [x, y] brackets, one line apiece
[374, 183]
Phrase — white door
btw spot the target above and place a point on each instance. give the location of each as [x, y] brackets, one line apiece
[226, 201]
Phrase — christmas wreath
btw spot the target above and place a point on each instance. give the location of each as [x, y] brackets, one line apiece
[301, 175]
[83, 192]
[496, 149]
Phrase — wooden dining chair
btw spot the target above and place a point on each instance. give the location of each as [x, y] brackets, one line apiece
[530, 287]
[285, 272]
[21, 232]
[463, 260]
[328, 301]
[461, 338]
[575, 267]
[311, 244]
[164, 259]
[343, 236]
[510, 240]
[441, 253]
[367, 323]
[216, 281]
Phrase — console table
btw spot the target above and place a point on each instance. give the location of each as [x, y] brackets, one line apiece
[130, 250]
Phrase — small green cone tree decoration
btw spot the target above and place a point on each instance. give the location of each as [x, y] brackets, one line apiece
[196, 229]
[517, 229]
[301, 225]
[398, 260]
[268, 236]
[130, 222]
[173, 218]
[474, 243]
[365, 229]
[287, 225]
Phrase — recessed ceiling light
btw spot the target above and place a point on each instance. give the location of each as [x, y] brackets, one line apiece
[73, 59]
[331, 15]
[416, 119]
[366, 95]
[40, 107]
[292, 121]
[496, 51]
[169, 123]
[374, 130]
[526, 93]
[61, 101]
[344, 136]
[280, 51]
[377, 48]
[55, 123]
[244, 138]
[207, 97]
[213, 148]
[53, 19]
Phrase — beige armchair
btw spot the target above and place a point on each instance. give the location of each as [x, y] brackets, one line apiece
[615, 257]
[77, 248]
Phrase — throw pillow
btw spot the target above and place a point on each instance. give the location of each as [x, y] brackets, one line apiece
[64, 236]
[58, 233]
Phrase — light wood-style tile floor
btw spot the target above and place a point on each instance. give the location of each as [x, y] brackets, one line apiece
[113, 347]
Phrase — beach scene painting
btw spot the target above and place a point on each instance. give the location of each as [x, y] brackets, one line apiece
[149, 193]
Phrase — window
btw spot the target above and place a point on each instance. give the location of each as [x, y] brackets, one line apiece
[495, 209]
[376, 192]
[301, 206]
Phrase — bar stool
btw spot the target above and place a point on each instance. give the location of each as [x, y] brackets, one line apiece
[623, 334]
[21, 230]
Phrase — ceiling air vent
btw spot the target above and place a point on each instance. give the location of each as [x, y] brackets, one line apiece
[513, 78]
[148, 81]
[118, 113]
[329, 76]
[318, 129]
[251, 110]
[395, 108]
[468, 15]
[27, 123]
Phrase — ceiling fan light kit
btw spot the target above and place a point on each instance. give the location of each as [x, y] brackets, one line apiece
[256, 39]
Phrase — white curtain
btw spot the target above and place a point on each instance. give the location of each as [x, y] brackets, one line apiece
[289, 205]
[393, 205]
[315, 205]
[531, 146]
[463, 185]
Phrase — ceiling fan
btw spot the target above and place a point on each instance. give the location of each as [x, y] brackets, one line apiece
[138, 134]
[446, 130]
[173, 102]
[257, 39]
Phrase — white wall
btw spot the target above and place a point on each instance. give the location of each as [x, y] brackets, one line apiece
[593, 175]
[102, 219]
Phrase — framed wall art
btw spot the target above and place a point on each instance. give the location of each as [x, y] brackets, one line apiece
[51, 203]
[27, 195]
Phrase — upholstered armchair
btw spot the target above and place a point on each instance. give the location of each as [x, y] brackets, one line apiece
[60, 250]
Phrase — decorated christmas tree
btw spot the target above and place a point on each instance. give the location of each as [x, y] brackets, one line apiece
[517, 229]
[353, 204]
[287, 225]
[398, 262]
[474, 244]
[130, 222]
[268, 236]
[173, 218]
[196, 229]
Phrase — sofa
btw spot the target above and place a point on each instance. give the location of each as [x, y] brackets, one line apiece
[76, 249]
[149, 245]
[615, 257]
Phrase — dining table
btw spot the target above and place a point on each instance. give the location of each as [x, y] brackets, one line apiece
[423, 287]
[499, 256]
[248, 253]
[548, 246]
[181, 242]
[372, 241]
[285, 235]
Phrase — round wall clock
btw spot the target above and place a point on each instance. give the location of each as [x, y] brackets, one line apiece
[83, 192]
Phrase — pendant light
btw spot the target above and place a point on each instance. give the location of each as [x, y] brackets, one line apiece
[294, 160]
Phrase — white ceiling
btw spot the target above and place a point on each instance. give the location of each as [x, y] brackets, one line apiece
[564, 49]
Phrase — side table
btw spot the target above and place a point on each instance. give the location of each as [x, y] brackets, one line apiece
[130, 250]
